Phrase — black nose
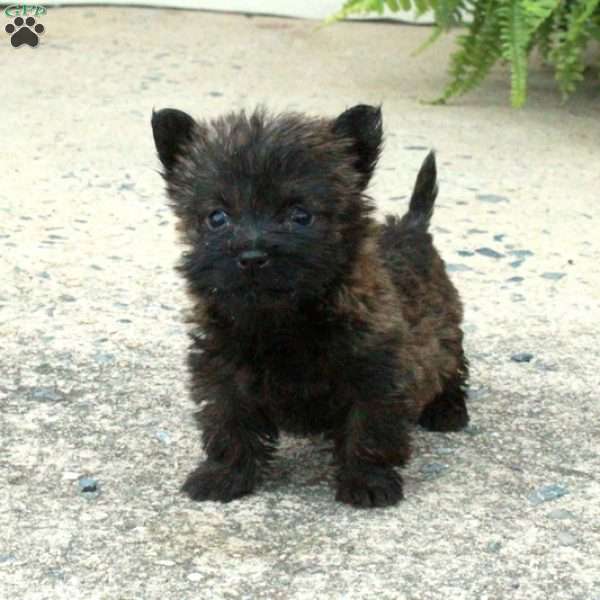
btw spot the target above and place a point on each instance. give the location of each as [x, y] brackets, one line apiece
[252, 258]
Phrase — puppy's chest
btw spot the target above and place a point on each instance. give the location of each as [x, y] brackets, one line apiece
[295, 385]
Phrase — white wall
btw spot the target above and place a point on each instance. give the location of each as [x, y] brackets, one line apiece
[310, 9]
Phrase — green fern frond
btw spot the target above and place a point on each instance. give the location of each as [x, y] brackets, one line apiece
[351, 7]
[422, 6]
[567, 56]
[543, 37]
[595, 27]
[357, 7]
[537, 11]
[478, 50]
[448, 13]
[540, 21]
[503, 29]
[514, 36]
[436, 33]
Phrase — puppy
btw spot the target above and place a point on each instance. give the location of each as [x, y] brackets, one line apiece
[309, 317]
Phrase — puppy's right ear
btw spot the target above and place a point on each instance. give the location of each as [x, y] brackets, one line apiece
[171, 129]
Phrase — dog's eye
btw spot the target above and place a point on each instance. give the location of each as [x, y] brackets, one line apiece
[217, 219]
[301, 216]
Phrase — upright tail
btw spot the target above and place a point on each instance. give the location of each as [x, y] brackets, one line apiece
[423, 197]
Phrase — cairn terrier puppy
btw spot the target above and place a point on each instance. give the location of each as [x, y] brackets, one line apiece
[309, 316]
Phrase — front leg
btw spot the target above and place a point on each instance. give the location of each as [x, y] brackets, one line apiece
[237, 438]
[372, 441]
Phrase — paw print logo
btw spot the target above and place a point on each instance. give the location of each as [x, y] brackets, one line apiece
[24, 32]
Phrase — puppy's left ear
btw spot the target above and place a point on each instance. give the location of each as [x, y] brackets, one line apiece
[171, 129]
[362, 125]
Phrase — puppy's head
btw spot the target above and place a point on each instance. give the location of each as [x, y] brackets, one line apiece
[272, 208]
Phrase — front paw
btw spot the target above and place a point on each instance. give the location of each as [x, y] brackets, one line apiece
[216, 481]
[368, 486]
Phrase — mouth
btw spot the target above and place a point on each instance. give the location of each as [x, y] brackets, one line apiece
[257, 290]
[260, 285]
[256, 293]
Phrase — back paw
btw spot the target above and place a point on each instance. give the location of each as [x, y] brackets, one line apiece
[447, 411]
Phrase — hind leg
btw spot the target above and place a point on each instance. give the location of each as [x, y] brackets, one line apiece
[448, 410]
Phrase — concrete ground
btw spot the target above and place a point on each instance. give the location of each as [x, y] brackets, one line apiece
[92, 382]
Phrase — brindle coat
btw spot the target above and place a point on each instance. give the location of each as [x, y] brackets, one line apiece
[342, 326]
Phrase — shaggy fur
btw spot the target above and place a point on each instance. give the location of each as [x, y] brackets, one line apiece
[309, 317]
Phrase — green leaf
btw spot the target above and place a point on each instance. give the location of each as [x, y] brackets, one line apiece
[422, 6]
[561, 30]
[448, 12]
[515, 36]
[352, 7]
[543, 37]
[478, 50]
[568, 53]
[537, 11]
[437, 32]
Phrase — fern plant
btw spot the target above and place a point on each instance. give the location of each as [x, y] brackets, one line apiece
[507, 30]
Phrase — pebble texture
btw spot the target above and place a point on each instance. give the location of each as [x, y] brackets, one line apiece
[96, 430]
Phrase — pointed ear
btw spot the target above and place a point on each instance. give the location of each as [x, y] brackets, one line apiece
[362, 124]
[171, 128]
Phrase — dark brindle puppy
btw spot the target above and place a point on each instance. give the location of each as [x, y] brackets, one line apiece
[309, 316]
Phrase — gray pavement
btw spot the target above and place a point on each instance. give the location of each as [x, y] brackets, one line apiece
[92, 382]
